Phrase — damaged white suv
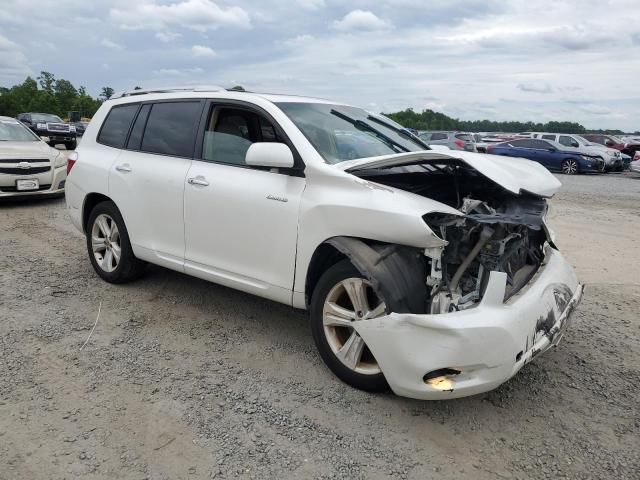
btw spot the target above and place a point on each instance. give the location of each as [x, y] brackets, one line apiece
[428, 272]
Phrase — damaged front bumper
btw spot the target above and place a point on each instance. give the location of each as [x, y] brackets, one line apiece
[479, 348]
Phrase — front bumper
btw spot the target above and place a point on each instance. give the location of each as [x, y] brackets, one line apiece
[487, 344]
[56, 187]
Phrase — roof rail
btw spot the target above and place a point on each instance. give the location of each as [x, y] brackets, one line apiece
[145, 91]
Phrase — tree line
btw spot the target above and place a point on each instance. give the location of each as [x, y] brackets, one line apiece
[48, 94]
[430, 120]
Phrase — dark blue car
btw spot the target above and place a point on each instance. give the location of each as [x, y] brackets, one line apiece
[551, 154]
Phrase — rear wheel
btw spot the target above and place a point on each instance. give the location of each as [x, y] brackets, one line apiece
[109, 247]
[569, 166]
[342, 297]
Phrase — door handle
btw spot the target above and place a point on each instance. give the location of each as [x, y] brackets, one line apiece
[123, 168]
[199, 180]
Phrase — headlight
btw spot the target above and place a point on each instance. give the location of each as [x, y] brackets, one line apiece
[41, 126]
[60, 160]
[72, 128]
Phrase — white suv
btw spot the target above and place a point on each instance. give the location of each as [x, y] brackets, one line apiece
[432, 273]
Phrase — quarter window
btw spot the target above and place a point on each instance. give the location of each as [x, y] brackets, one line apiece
[116, 126]
[171, 128]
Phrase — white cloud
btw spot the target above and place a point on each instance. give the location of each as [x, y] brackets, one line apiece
[311, 4]
[105, 42]
[167, 37]
[202, 51]
[535, 87]
[360, 20]
[176, 72]
[13, 63]
[198, 15]
[299, 40]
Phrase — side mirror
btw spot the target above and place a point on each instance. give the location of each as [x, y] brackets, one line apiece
[268, 154]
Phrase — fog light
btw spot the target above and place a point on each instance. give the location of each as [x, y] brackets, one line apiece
[441, 383]
[441, 379]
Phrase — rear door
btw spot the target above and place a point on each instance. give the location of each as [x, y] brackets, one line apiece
[241, 222]
[147, 179]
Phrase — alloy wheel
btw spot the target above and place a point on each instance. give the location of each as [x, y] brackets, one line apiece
[105, 242]
[569, 167]
[350, 300]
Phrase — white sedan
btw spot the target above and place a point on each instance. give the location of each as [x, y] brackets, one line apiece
[28, 166]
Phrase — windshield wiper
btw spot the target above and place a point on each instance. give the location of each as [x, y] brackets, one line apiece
[362, 125]
[400, 131]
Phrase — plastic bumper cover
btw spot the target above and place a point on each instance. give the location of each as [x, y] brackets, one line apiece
[487, 344]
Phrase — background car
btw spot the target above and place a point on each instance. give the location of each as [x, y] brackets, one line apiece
[611, 141]
[453, 140]
[51, 127]
[635, 166]
[552, 155]
[28, 166]
[611, 157]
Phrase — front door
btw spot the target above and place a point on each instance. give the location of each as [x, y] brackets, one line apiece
[241, 222]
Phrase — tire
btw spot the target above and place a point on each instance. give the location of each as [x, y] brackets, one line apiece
[569, 166]
[103, 244]
[359, 369]
[603, 168]
[71, 145]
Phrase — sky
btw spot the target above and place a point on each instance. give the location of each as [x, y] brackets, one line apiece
[534, 60]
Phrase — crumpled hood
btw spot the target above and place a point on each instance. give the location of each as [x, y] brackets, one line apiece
[516, 175]
[26, 150]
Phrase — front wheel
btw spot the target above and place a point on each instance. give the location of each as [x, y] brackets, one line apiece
[342, 297]
[569, 166]
[109, 247]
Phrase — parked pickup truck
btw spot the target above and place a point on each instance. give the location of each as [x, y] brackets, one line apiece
[51, 127]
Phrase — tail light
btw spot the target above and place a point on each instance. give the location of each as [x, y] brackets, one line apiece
[71, 161]
[459, 143]
[489, 148]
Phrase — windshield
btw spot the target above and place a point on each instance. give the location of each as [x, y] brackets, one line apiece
[14, 131]
[45, 118]
[341, 133]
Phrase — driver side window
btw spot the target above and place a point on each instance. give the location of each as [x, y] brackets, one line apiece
[231, 131]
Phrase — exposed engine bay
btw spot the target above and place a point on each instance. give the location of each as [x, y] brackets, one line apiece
[496, 231]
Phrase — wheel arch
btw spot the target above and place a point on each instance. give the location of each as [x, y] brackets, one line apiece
[90, 201]
[396, 272]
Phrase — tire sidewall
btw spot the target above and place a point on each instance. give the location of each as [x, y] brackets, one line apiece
[122, 271]
[334, 275]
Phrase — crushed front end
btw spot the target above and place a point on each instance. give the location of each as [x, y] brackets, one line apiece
[497, 292]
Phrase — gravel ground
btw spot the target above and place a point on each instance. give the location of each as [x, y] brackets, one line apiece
[187, 379]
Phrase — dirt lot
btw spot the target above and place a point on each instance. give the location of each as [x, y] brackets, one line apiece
[186, 379]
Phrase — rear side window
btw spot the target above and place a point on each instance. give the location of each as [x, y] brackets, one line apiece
[171, 128]
[116, 126]
[549, 137]
[438, 136]
[521, 143]
[541, 144]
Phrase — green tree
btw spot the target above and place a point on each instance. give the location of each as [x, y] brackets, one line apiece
[106, 93]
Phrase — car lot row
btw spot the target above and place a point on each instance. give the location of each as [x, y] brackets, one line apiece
[565, 152]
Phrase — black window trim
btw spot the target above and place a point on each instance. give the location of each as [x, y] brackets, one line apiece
[298, 164]
[201, 101]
